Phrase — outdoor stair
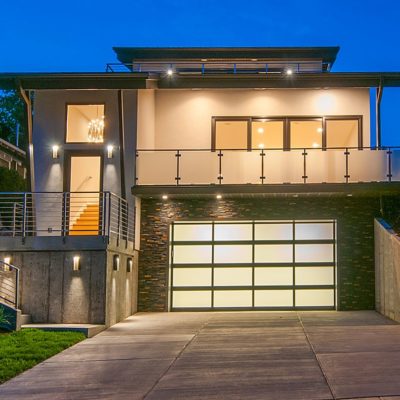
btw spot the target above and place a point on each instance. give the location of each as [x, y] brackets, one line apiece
[87, 222]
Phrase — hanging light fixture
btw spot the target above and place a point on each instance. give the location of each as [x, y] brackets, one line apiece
[96, 130]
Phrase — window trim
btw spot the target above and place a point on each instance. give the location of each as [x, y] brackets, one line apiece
[91, 103]
[286, 127]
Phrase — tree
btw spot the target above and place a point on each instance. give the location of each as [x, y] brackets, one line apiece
[12, 117]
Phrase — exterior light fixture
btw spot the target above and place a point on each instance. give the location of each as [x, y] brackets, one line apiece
[349, 195]
[76, 263]
[219, 196]
[289, 71]
[55, 151]
[129, 264]
[7, 261]
[96, 130]
[116, 262]
[110, 151]
[170, 72]
[164, 197]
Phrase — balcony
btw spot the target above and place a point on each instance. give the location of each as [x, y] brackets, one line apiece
[263, 167]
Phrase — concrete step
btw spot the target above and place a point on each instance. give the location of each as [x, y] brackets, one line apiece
[26, 319]
[89, 330]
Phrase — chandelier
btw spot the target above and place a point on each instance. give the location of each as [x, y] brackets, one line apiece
[96, 130]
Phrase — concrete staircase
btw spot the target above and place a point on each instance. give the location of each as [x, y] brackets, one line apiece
[88, 221]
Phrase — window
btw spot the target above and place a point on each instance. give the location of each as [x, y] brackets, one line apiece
[343, 132]
[85, 123]
[306, 133]
[267, 134]
[231, 134]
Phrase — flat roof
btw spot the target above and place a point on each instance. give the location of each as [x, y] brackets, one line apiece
[130, 80]
[128, 55]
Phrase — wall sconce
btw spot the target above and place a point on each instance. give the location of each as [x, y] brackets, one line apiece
[110, 151]
[55, 151]
[76, 263]
[129, 264]
[116, 262]
[7, 260]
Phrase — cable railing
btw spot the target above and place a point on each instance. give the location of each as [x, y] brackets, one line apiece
[65, 214]
[214, 67]
[9, 284]
[171, 167]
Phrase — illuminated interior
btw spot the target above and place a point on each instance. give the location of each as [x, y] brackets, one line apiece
[85, 123]
[267, 134]
[253, 265]
[231, 134]
[306, 134]
[342, 133]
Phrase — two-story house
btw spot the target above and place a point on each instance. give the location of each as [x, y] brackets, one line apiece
[200, 179]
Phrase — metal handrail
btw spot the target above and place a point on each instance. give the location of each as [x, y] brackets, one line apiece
[65, 213]
[9, 284]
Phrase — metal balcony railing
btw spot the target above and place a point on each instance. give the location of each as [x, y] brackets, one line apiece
[208, 68]
[267, 166]
[65, 214]
[9, 284]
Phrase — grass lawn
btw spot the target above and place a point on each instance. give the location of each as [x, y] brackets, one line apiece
[22, 350]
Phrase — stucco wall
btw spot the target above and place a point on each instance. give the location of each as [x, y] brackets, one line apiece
[183, 117]
[387, 270]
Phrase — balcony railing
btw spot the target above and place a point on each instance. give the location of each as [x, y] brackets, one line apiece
[65, 214]
[267, 166]
[208, 68]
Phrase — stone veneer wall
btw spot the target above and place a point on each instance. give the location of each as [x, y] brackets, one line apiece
[355, 225]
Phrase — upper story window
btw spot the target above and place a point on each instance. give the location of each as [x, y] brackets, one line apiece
[253, 133]
[85, 123]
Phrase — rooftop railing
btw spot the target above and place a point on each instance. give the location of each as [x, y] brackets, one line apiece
[65, 214]
[267, 166]
[211, 67]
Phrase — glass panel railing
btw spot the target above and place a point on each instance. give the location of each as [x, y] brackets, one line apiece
[241, 167]
[368, 165]
[156, 168]
[283, 166]
[198, 167]
[395, 165]
[326, 166]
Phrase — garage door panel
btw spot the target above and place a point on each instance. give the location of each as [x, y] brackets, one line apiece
[193, 254]
[273, 253]
[232, 254]
[315, 297]
[273, 298]
[191, 298]
[192, 232]
[314, 253]
[314, 231]
[225, 232]
[314, 275]
[192, 277]
[269, 276]
[274, 231]
[233, 276]
[233, 298]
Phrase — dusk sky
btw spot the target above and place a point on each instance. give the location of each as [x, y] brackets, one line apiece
[57, 36]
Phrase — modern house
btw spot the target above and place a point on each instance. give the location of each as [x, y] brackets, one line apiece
[199, 179]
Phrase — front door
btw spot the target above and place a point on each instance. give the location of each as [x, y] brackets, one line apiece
[84, 184]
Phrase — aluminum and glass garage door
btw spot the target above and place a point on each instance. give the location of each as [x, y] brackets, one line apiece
[247, 265]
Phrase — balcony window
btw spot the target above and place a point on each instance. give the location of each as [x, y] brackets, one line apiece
[85, 123]
[343, 132]
[306, 133]
[267, 134]
[231, 134]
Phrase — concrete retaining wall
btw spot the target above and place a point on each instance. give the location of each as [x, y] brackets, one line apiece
[387, 270]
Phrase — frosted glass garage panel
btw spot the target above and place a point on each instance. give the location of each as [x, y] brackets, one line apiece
[233, 298]
[233, 276]
[326, 166]
[232, 254]
[314, 231]
[192, 254]
[273, 232]
[368, 165]
[314, 275]
[233, 232]
[241, 167]
[198, 167]
[187, 232]
[314, 252]
[273, 298]
[315, 298]
[156, 168]
[283, 166]
[192, 277]
[273, 253]
[270, 276]
[191, 298]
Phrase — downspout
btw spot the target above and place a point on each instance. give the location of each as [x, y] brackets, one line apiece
[28, 124]
[379, 92]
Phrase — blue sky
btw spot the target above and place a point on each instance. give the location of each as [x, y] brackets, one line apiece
[63, 36]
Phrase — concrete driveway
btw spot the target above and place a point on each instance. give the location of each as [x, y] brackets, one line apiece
[238, 355]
